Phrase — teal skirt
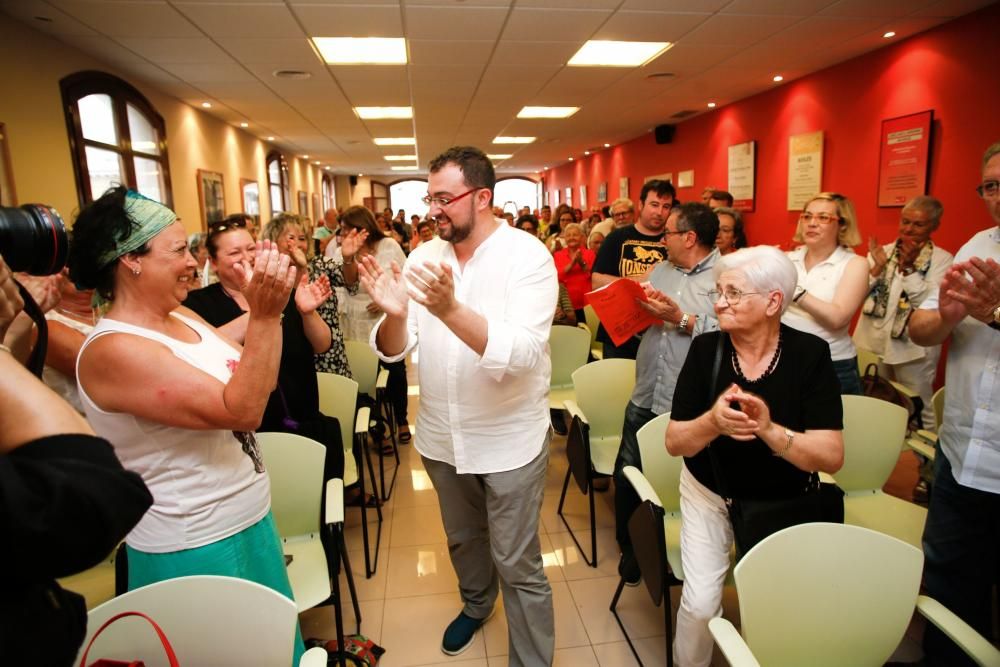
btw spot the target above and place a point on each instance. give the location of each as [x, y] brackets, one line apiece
[254, 553]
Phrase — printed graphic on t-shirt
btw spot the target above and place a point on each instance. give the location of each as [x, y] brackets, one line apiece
[639, 256]
[250, 447]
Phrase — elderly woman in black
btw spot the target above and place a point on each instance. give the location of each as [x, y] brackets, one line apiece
[772, 418]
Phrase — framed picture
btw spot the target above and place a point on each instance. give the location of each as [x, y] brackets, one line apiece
[8, 196]
[317, 213]
[904, 158]
[623, 187]
[211, 197]
[602, 192]
[583, 196]
[251, 196]
[303, 203]
[569, 195]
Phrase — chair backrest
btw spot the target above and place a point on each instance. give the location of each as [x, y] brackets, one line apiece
[827, 594]
[874, 431]
[603, 389]
[937, 400]
[661, 469]
[338, 397]
[295, 467]
[208, 620]
[592, 323]
[569, 348]
[364, 365]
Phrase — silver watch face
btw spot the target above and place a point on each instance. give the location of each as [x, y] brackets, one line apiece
[996, 315]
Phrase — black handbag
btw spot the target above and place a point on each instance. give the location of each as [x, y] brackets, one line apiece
[755, 519]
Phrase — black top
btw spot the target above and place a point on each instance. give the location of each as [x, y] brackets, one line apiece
[296, 372]
[803, 393]
[627, 252]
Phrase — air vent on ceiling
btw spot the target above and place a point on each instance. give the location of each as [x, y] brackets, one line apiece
[683, 114]
[295, 74]
[659, 76]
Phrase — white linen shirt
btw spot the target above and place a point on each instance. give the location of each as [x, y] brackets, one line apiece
[970, 430]
[491, 413]
[821, 281]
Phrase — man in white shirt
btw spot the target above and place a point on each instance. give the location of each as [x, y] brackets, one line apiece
[962, 536]
[479, 300]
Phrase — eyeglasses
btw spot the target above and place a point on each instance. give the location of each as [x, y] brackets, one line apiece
[668, 232]
[820, 218]
[444, 201]
[988, 189]
[621, 214]
[225, 226]
[730, 294]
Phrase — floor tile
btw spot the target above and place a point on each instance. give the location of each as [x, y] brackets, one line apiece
[593, 599]
[571, 560]
[417, 525]
[577, 510]
[550, 561]
[419, 570]
[570, 630]
[412, 629]
[368, 589]
[320, 622]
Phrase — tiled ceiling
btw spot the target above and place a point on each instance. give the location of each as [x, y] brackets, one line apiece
[472, 63]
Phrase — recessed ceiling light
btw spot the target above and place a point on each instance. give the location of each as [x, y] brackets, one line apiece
[315, 161]
[362, 50]
[711, 105]
[586, 152]
[500, 156]
[360, 175]
[571, 159]
[889, 34]
[376, 113]
[395, 141]
[607, 145]
[400, 158]
[777, 78]
[327, 167]
[270, 138]
[305, 157]
[402, 168]
[547, 112]
[607, 53]
[207, 105]
[244, 124]
[513, 140]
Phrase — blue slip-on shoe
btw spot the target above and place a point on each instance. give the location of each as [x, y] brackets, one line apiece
[461, 633]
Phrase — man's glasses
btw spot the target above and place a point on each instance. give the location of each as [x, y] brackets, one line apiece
[444, 201]
[731, 295]
[621, 214]
[225, 226]
[988, 189]
[820, 218]
[668, 232]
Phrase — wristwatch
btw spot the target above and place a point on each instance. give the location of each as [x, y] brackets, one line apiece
[683, 324]
[995, 323]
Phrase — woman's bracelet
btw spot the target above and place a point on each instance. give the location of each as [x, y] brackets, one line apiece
[795, 299]
[4, 348]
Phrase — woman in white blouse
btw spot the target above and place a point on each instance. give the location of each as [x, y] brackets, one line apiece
[832, 282]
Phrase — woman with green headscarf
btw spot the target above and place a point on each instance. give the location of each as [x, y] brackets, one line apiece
[178, 401]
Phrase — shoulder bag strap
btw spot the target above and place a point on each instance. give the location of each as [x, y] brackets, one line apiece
[720, 479]
[171, 656]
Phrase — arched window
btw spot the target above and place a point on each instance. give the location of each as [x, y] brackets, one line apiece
[513, 193]
[329, 195]
[116, 137]
[277, 182]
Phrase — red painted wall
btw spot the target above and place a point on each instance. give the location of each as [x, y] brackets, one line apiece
[951, 69]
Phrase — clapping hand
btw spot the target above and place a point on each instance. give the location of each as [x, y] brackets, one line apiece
[660, 305]
[878, 255]
[432, 286]
[386, 288]
[752, 416]
[310, 295]
[266, 283]
[352, 242]
[971, 287]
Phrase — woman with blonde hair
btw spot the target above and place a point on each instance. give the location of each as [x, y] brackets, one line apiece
[832, 280]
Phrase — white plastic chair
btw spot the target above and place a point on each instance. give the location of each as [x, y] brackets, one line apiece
[825, 594]
[373, 382]
[209, 620]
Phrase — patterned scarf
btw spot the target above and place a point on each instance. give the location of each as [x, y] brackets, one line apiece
[877, 302]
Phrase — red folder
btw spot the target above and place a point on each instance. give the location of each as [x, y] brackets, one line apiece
[616, 305]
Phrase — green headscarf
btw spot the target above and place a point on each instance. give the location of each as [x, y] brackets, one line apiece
[148, 218]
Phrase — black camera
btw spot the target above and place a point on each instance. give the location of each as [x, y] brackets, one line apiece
[33, 239]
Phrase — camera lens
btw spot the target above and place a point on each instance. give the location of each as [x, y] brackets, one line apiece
[33, 239]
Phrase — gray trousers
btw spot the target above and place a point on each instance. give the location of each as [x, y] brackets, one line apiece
[492, 525]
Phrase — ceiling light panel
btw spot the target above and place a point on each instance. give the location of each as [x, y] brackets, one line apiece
[377, 113]
[547, 112]
[395, 141]
[608, 53]
[513, 140]
[400, 158]
[362, 50]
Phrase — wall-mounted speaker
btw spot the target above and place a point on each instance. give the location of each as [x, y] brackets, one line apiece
[664, 133]
[353, 180]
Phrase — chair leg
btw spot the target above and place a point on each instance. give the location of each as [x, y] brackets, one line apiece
[371, 563]
[337, 611]
[614, 612]
[384, 409]
[349, 575]
[668, 625]
[592, 562]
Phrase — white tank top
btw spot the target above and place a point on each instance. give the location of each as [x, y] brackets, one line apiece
[205, 486]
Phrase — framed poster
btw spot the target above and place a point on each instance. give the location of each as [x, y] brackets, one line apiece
[251, 197]
[317, 213]
[569, 195]
[303, 204]
[742, 168]
[805, 169]
[211, 197]
[623, 187]
[685, 179]
[904, 158]
[602, 192]
[666, 176]
[583, 196]
[545, 198]
[8, 196]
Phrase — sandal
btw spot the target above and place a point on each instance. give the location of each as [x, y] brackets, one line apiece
[403, 433]
[370, 501]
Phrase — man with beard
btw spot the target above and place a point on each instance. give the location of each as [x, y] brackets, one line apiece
[479, 299]
[632, 251]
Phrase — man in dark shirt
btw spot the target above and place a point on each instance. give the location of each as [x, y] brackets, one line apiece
[632, 251]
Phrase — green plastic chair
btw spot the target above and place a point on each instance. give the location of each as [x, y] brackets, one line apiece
[338, 397]
[924, 441]
[823, 594]
[603, 389]
[373, 382]
[874, 431]
[596, 349]
[295, 469]
[569, 347]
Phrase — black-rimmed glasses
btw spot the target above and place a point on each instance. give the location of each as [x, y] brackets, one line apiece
[444, 201]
